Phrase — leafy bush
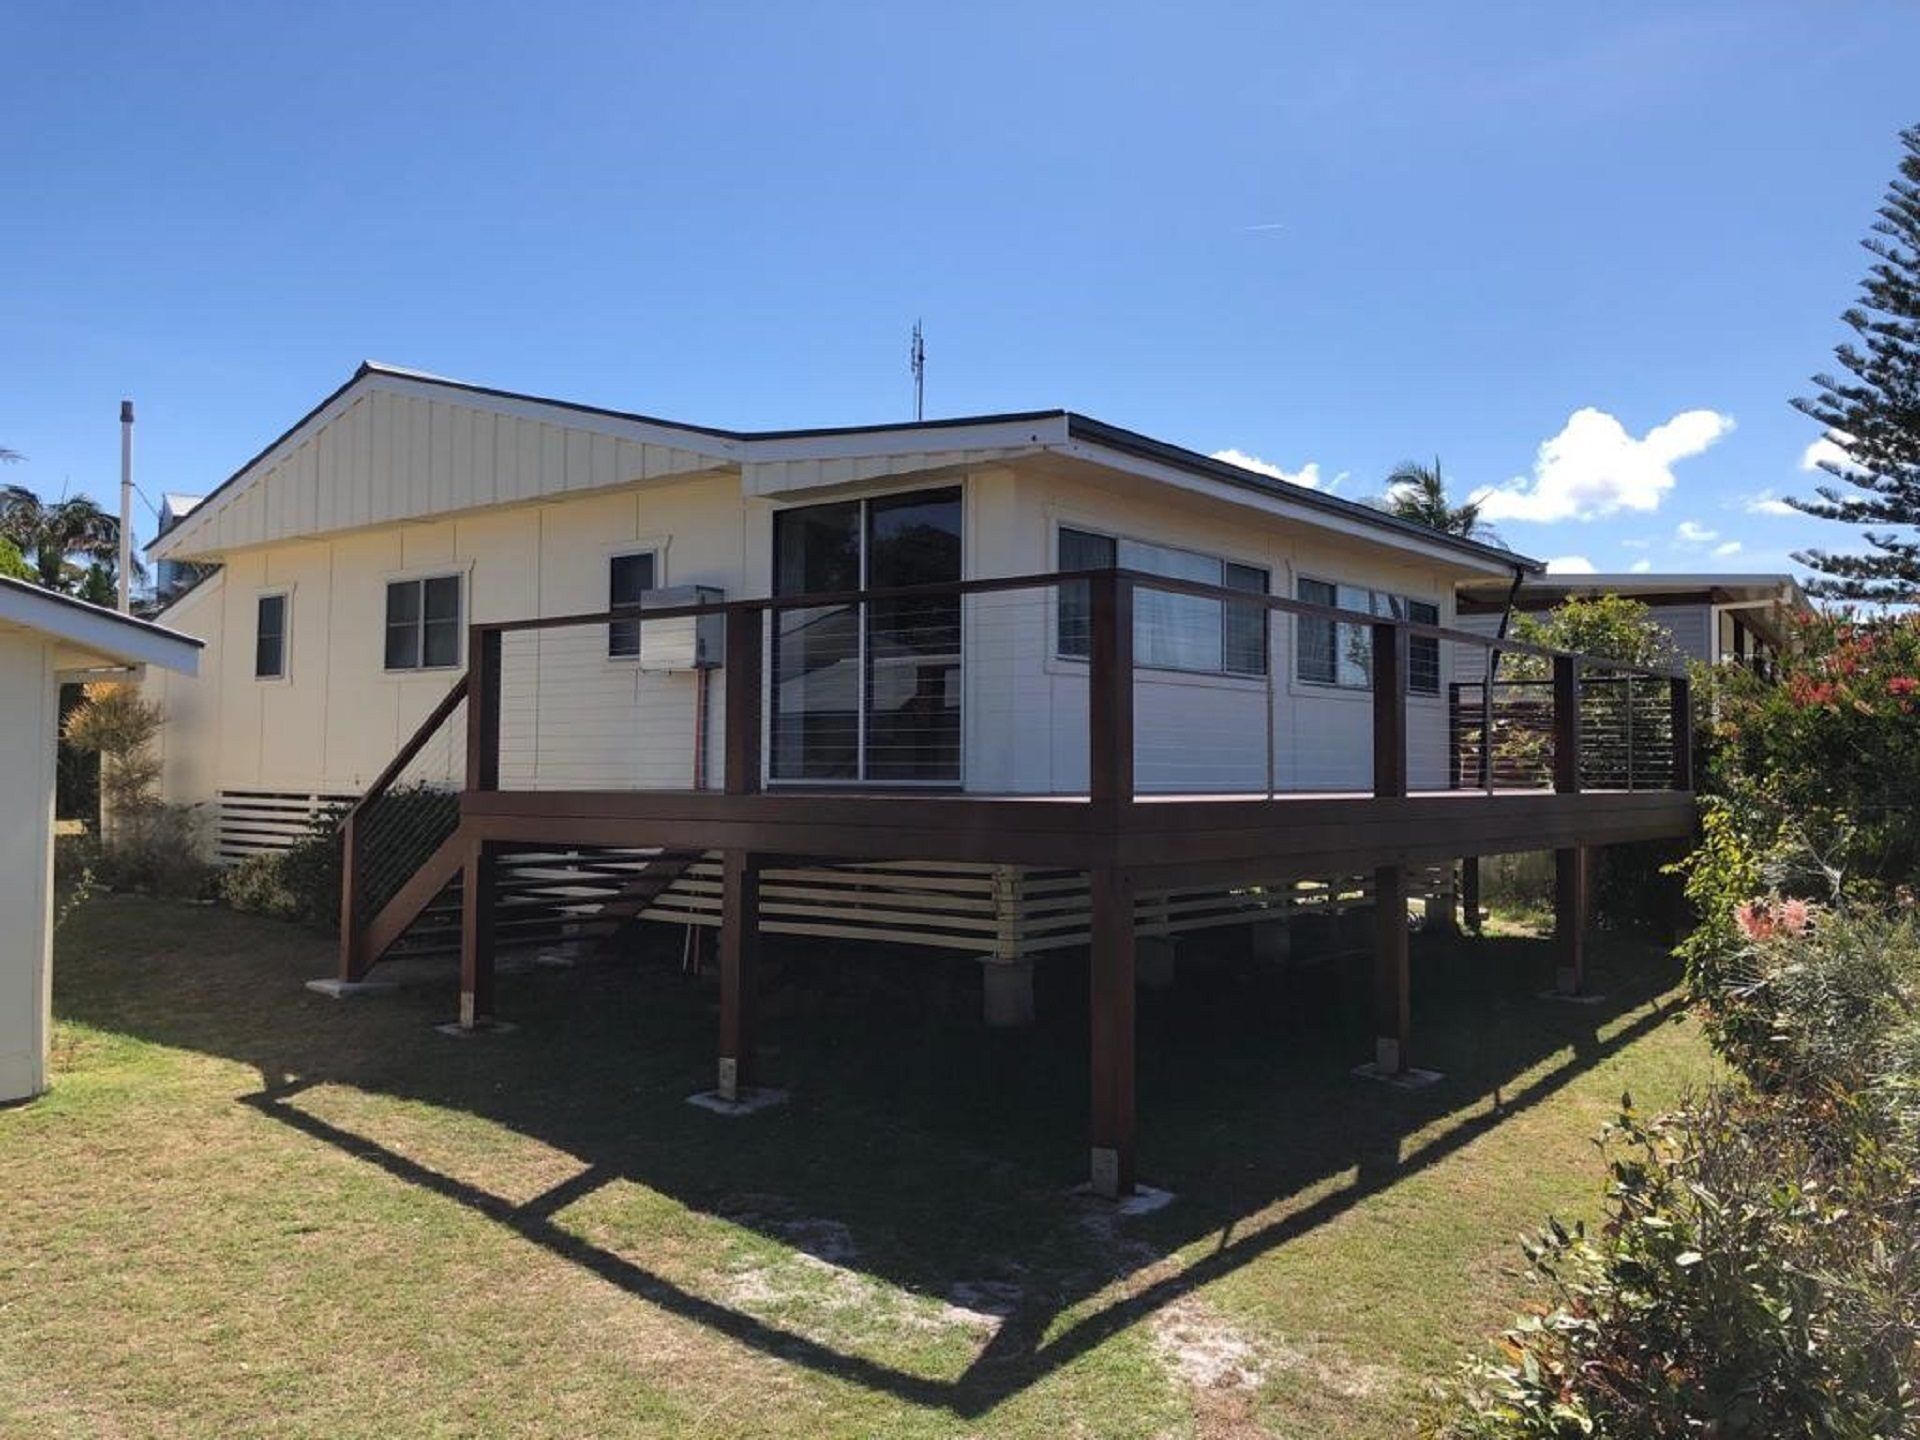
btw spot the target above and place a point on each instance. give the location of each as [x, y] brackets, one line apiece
[1759, 1273]
[1747, 1283]
[1826, 762]
[301, 882]
[155, 851]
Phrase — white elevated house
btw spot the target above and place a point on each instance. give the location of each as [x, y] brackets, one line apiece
[1052, 684]
[356, 548]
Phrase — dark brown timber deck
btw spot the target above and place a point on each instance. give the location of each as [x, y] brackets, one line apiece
[1124, 841]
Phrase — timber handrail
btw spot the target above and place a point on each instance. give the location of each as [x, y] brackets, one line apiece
[413, 745]
[1000, 584]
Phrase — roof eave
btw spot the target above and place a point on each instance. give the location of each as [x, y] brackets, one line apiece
[1129, 442]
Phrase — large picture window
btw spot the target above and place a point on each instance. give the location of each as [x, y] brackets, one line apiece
[423, 623]
[868, 692]
[1339, 652]
[1170, 631]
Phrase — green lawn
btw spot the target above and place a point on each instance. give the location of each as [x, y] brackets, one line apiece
[248, 1210]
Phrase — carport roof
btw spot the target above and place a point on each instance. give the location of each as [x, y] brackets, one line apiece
[106, 634]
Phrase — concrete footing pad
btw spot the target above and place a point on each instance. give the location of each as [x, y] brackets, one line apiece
[1578, 997]
[351, 989]
[484, 1027]
[751, 1101]
[1411, 1078]
[1144, 1200]
[1006, 988]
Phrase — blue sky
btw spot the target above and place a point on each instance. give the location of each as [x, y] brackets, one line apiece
[1329, 237]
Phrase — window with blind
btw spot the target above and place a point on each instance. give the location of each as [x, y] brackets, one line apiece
[1193, 633]
[1340, 652]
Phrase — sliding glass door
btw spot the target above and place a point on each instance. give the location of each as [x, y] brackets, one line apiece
[868, 692]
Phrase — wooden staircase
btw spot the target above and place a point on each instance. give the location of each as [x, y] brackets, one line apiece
[404, 852]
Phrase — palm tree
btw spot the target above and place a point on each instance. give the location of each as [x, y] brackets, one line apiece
[1419, 493]
[49, 537]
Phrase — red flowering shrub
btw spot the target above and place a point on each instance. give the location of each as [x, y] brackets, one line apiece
[1829, 758]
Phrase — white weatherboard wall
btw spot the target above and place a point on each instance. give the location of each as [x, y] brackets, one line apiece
[572, 717]
[1027, 725]
[29, 722]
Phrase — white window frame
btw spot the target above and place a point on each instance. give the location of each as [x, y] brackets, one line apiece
[1374, 592]
[1057, 657]
[625, 550]
[285, 595]
[418, 575]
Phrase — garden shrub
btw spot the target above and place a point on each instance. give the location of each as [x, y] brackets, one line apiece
[300, 883]
[1824, 765]
[1759, 1271]
[1748, 1282]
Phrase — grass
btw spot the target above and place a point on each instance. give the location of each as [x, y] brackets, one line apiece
[248, 1210]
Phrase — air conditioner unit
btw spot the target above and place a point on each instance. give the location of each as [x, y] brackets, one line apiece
[687, 642]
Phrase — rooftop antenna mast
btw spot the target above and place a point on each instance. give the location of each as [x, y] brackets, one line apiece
[918, 362]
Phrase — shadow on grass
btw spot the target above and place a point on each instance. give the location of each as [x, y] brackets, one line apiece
[944, 1150]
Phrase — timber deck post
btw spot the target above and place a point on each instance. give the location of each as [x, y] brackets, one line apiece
[1470, 893]
[1569, 864]
[477, 914]
[483, 708]
[739, 964]
[1570, 920]
[744, 660]
[353, 946]
[1110, 1007]
[1392, 1007]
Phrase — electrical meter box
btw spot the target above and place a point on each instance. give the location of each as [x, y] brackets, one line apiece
[689, 642]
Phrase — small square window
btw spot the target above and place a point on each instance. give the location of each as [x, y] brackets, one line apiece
[423, 623]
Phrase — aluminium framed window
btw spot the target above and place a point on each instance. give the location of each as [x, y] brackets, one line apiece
[1339, 653]
[1194, 634]
[425, 620]
[630, 575]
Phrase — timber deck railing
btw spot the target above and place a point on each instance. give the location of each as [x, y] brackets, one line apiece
[1105, 686]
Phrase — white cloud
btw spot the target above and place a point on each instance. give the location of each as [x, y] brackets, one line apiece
[1827, 449]
[1594, 467]
[1307, 475]
[1732, 547]
[1570, 565]
[1767, 503]
[1640, 567]
[1636, 544]
[1691, 532]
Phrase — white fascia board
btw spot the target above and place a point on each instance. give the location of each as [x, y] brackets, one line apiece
[97, 635]
[1278, 505]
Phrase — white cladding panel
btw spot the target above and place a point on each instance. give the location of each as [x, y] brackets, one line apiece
[574, 717]
[388, 451]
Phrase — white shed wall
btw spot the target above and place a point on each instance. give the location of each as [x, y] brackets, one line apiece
[29, 721]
